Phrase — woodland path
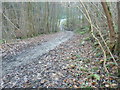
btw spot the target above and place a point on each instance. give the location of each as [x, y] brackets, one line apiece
[47, 64]
[61, 60]
[33, 53]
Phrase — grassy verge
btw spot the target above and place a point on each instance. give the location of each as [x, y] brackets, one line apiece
[82, 30]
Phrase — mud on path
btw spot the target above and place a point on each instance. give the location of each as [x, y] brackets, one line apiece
[29, 54]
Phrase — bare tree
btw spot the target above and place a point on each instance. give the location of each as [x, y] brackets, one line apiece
[118, 39]
[109, 20]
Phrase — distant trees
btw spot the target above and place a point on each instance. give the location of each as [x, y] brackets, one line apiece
[28, 19]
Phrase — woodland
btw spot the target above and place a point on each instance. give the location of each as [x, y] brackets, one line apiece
[60, 44]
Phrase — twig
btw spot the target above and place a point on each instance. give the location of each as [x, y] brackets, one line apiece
[90, 21]
[10, 22]
[106, 45]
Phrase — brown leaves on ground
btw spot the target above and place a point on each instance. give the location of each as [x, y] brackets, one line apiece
[70, 65]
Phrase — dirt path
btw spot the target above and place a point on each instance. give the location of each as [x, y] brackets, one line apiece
[32, 53]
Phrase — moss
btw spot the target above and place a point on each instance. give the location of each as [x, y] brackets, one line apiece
[87, 39]
[95, 68]
[78, 31]
[83, 69]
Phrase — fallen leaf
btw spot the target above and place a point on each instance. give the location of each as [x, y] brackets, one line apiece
[72, 66]
[94, 76]
[111, 78]
[107, 85]
[73, 58]
[65, 80]
[93, 83]
[75, 86]
[101, 61]
[79, 82]
[113, 85]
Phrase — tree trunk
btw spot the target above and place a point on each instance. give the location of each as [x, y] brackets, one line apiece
[109, 20]
[118, 39]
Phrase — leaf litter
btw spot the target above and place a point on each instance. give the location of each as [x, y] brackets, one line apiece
[69, 65]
